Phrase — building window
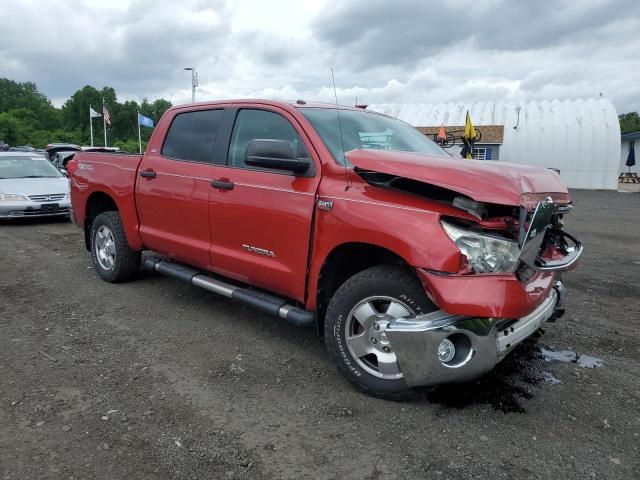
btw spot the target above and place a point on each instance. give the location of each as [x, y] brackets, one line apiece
[480, 153]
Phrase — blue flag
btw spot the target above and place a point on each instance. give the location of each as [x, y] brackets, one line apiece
[145, 121]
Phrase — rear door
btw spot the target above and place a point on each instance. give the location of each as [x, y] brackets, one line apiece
[172, 191]
[261, 219]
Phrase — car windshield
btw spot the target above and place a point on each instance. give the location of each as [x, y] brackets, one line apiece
[367, 130]
[27, 167]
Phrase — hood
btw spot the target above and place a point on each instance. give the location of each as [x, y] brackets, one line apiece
[483, 181]
[34, 186]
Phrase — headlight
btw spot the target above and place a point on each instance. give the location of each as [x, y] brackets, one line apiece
[12, 197]
[485, 253]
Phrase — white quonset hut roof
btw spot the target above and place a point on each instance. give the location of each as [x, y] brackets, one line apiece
[581, 138]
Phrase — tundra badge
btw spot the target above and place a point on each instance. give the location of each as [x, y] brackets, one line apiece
[259, 251]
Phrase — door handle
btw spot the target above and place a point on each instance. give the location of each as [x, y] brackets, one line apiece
[148, 173]
[222, 184]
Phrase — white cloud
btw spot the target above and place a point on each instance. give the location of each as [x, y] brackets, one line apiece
[403, 51]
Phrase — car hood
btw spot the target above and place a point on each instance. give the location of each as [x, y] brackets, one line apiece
[483, 181]
[34, 186]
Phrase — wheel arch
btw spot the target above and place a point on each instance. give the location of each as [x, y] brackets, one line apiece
[344, 261]
[100, 201]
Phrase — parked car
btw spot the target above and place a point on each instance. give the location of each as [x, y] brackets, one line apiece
[417, 268]
[60, 159]
[31, 187]
[60, 153]
[22, 148]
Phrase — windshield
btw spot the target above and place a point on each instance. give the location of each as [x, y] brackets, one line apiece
[367, 130]
[27, 167]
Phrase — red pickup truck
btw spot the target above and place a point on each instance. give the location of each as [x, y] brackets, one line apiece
[418, 268]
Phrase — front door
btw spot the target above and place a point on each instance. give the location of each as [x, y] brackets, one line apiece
[172, 192]
[261, 219]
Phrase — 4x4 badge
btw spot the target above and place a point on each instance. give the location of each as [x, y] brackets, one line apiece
[325, 204]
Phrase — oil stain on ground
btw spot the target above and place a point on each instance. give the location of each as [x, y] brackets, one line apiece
[513, 381]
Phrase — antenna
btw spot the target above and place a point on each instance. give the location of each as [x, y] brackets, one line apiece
[344, 158]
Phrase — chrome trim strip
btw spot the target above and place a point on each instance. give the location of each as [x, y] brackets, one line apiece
[563, 263]
[534, 235]
[424, 323]
[284, 310]
[215, 286]
[272, 188]
[562, 293]
[523, 328]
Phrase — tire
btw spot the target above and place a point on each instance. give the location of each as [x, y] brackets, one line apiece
[115, 262]
[392, 292]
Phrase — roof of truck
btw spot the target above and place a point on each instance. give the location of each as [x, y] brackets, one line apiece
[281, 103]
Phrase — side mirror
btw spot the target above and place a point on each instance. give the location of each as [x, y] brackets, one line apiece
[276, 154]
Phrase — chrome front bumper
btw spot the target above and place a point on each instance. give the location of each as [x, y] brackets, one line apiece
[480, 342]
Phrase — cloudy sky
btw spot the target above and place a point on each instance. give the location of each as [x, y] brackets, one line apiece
[381, 51]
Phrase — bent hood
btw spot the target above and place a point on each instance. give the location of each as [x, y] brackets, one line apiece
[483, 181]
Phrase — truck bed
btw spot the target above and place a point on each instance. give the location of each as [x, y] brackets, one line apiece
[113, 174]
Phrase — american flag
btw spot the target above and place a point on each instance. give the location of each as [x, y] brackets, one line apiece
[105, 113]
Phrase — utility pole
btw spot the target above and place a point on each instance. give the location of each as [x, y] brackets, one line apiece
[194, 82]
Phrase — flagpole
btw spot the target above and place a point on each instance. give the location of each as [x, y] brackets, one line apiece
[91, 125]
[104, 124]
[139, 137]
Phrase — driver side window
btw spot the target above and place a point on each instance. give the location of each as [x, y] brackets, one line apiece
[261, 125]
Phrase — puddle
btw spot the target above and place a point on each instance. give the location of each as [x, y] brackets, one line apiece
[587, 361]
[569, 356]
[513, 381]
[549, 378]
[505, 388]
[566, 356]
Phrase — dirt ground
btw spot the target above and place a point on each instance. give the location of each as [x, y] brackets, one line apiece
[158, 379]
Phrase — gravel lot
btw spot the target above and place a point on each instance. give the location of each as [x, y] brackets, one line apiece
[157, 379]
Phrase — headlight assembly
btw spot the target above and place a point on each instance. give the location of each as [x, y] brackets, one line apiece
[485, 253]
[12, 197]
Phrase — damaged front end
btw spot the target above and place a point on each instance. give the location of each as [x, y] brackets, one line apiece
[442, 346]
[508, 283]
[438, 347]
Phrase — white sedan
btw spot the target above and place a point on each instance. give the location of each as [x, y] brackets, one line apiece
[30, 186]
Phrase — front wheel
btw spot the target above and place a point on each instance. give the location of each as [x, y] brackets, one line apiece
[113, 259]
[355, 321]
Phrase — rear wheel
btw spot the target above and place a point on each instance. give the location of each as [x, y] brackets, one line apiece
[354, 327]
[113, 259]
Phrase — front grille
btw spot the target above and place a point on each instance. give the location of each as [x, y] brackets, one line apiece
[51, 197]
[31, 213]
[525, 273]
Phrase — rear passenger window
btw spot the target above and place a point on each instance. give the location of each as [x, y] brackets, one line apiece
[192, 136]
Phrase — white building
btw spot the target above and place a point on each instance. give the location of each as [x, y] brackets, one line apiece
[581, 138]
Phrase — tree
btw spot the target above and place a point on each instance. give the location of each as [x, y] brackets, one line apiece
[629, 122]
[75, 111]
[28, 117]
[12, 130]
[16, 95]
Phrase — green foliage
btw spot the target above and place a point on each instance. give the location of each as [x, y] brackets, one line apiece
[129, 146]
[629, 122]
[12, 130]
[27, 117]
[15, 96]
